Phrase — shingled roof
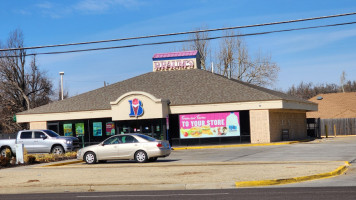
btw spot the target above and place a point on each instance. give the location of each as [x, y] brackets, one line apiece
[183, 87]
[334, 105]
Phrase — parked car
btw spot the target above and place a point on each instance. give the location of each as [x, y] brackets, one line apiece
[39, 141]
[138, 147]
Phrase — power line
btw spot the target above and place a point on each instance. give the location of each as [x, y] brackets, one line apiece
[182, 33]
[187, 40]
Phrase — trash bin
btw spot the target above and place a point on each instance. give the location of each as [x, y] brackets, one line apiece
[285, 134]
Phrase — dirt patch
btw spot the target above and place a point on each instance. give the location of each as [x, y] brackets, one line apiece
[33, 181]
[190, 173]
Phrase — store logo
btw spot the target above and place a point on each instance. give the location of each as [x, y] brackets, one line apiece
[136, 109]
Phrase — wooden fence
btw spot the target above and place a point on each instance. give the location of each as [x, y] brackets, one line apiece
[8, 136]
[345, 126]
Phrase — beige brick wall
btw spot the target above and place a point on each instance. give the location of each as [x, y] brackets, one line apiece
[259, 126]
[294, 121]
[38, 125]
[266, 125]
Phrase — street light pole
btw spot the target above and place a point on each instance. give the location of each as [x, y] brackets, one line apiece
[61, 73]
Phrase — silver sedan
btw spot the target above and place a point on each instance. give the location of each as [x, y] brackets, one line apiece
[139, 147]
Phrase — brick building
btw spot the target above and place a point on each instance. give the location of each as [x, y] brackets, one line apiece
[180, 102]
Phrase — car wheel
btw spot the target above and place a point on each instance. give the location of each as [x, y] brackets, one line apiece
[141, 156]
[152, 159]
[90, 158]
[3, 152]
[57, 149]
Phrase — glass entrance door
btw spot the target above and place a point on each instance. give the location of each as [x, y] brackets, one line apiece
[53, 126]
[150, 127]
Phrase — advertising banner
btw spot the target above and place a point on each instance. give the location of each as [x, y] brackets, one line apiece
[67, 128]
[208, 125]
[97, 129]
[110, 128]
[79, 129]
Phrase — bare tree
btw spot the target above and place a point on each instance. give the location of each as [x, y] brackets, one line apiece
[229, 46]
[21, 87]
[260, 71]
[342, 80]
[350, 86]
[201, 44]
[308, 90]
[234, 61]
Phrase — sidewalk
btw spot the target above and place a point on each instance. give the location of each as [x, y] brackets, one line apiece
[161, 175]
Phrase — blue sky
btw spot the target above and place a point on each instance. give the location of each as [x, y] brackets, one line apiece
[317, 56]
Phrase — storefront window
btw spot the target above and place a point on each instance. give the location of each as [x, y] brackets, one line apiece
[110, 128]
[67, 128]
[147, 129]
[151, 127]
[97, 129]
[79, 129]
[125, 129]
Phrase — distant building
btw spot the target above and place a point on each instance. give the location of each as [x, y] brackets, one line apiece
[337, 111]
[334, 106]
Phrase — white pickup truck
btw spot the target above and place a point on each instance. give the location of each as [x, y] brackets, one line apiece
[39, 141]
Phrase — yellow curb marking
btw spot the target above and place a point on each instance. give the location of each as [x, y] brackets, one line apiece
[64, 163]
[338, 136]
[336, 172]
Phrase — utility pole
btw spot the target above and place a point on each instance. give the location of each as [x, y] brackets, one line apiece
[61, 73]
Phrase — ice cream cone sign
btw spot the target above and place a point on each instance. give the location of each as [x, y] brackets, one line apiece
[136, 109]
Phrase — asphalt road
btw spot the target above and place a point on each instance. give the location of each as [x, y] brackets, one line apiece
[326, 193]
[327, 149]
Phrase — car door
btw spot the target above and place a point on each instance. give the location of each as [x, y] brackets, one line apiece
[27, 140]
[109, 149]
[128, 146]
[41, 144]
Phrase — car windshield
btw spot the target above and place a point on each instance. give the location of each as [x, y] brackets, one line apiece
[51, 133]
[146, 137]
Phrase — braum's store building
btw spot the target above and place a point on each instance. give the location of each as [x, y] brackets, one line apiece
[180, 102]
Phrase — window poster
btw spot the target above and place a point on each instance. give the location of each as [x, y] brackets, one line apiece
[67, 129]
[209, 125]
[79, 129]
[110, 128]
[97, 129]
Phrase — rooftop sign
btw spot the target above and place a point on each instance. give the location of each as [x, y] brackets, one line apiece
[176, 61]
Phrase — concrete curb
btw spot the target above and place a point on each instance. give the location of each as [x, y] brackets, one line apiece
[63, 163]
[239, 145]
[124, 165]
[340, 170]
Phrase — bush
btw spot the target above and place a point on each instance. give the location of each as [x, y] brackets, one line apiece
[45, 158]
[5, 161]
[35, 158]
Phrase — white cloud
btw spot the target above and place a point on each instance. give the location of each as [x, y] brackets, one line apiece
[59, 10]
[22, 12]
[45, 5]
[94, 6]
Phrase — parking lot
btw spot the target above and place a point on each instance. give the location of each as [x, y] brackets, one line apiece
[186, 169]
